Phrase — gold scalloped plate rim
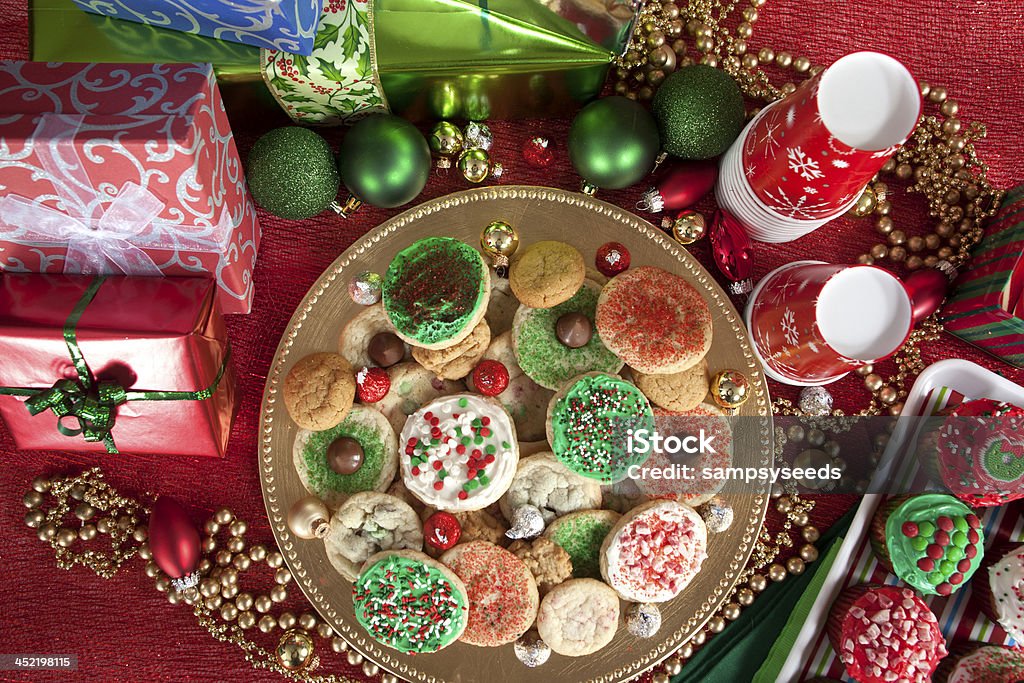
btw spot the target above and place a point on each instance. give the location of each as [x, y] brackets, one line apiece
[626, 656]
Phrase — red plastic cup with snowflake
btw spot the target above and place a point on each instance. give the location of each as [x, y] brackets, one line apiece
[811, 323]
[813, 152]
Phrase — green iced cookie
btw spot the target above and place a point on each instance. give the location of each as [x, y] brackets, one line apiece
[581, 534]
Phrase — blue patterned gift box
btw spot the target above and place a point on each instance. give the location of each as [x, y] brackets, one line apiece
[286, 25]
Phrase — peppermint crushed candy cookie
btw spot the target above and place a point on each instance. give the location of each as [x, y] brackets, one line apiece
[459, 452]
[409, 602]
[589, 424]
[436, 291]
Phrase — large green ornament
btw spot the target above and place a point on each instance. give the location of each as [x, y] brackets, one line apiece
[384, 161]
[613, 143]
[291, 173]
[699, 111]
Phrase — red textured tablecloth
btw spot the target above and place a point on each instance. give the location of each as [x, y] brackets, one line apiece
[123, 630]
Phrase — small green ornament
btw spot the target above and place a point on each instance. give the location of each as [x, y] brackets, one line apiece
[613, 143]
[699, 111]
[475, 165]
[384, 161]
[291, 173]
[446, 138]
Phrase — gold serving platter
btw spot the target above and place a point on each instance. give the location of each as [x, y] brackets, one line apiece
[538, 213]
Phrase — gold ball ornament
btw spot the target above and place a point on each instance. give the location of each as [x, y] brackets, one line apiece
[309, 518]
[730, 389]
[499, 239]
[445, 139]
[865, 204]
[475, 165]
[295, 650]
[688, 226]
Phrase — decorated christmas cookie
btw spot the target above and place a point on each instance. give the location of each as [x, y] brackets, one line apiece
[654, 551]
[409, 602]
[366, 524]
[999, 588]
[545, 357]
[459, 452]
[503, 596]
[578, 617]
[933, 542]
[654, 320]
[979, 663]
[436, 291]
[360, 454]
[589, 423]
[981, 452]
[582, 534]
[542, 481]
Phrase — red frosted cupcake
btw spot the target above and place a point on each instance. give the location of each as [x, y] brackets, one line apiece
[980, 452]
[998, 588]
[884, 634]
[979, 663]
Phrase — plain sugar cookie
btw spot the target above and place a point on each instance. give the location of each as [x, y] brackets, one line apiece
[546, 273]
[578, 617]
[319, 390]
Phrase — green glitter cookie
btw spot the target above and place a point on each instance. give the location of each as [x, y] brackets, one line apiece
[435, 292]
[380, 457]
[590, 422]
[409, 602]
[581, 534]
[549, 362]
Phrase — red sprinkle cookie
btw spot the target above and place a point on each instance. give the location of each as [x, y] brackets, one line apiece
[503, 596]
[654, 551]
[654, 321]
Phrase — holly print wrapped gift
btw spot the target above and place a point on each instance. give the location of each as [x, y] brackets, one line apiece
[127, 169]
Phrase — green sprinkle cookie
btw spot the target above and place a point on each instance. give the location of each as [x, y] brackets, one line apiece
[590, 422]
[549, 362]
[409, 602]
[380, 457]
[436, 291]
[581, 534]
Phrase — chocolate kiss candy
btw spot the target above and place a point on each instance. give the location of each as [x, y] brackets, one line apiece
[345, 455]
[527, 522]
[574, 330]
[386, 349]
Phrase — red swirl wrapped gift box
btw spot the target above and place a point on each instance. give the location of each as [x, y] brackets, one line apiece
[123, 169]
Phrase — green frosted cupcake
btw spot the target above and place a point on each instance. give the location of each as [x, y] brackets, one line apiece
[932, 542]
[581, 534]
[545, 359]
[435, 292]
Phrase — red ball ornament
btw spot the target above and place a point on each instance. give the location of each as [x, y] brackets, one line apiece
[174, 542]
[538, 152]
[612, 258]
[490, 377]
[927, 290]
[681, 185]
[732, 251]
[372, 384]
[442, 530]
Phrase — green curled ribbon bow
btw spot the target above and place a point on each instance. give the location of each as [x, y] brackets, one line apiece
[90, 406]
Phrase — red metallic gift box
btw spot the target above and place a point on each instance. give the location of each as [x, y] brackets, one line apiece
[145, 336]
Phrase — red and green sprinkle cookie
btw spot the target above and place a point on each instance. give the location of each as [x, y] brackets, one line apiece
[590, 423]
[409, 602]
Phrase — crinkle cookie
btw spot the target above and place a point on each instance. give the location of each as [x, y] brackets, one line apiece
[546, 273]
[366, 524]
[582, 534]
[548, 562]
[458, 360]
[550, 486]
[412, 385]
[354, 341]
[380, 457]
[319, 390]
[578, 617]
[549, 362]
[525, 400]
[503, 595]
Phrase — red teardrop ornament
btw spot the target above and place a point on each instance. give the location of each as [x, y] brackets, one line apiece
[927, 290]
[174, 542]
[732, 251]
[681, 185]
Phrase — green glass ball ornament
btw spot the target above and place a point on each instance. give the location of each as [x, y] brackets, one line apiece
[291, 173]
[446, 139]
[384, 161]
[475, 165]
[613, 143]
[700, 112]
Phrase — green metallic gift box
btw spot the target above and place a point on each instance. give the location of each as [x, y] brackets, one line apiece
[423, 59]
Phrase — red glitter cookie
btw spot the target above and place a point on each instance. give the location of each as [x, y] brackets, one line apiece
[885, 633]
[654, 321]
[503, 598]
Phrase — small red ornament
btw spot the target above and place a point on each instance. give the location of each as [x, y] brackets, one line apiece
[372, 384]
[682, 185]
[442, 530]
[927, 290]
[538, 152]
[174, 542]
[732, 251]
[612, 258]
[490, 377]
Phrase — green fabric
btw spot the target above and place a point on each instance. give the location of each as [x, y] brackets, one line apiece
[736, 654]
